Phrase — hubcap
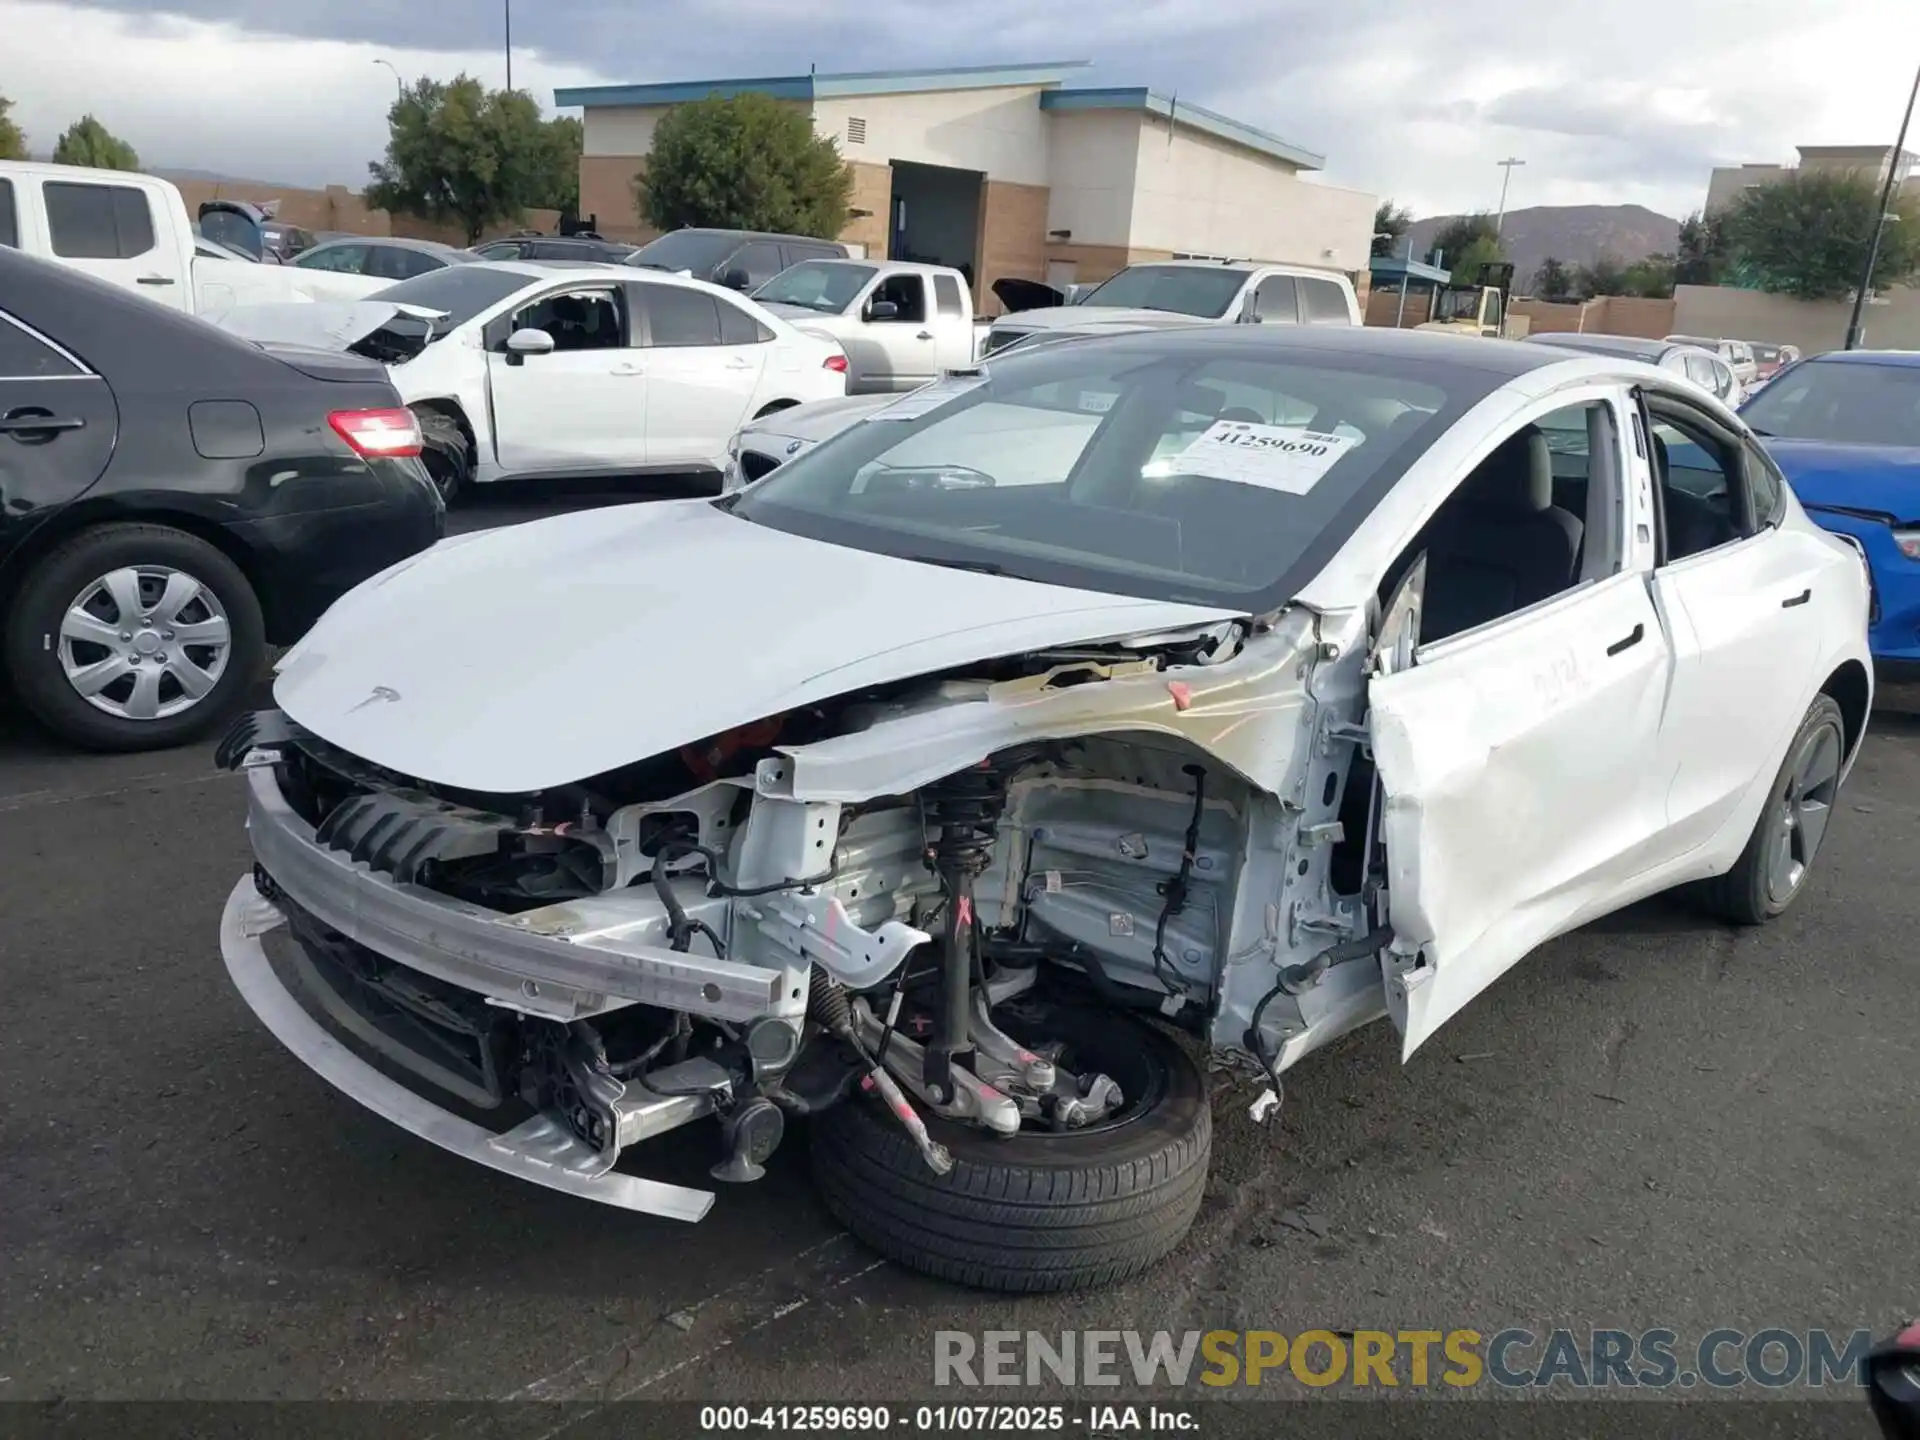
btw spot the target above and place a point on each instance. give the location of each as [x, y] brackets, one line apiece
[145, 642]
[1802, 810]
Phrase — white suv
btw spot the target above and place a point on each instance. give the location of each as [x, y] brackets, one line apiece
[1737, 353]
[1205, 292]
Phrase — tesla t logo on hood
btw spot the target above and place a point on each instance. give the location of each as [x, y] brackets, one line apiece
[380, 692]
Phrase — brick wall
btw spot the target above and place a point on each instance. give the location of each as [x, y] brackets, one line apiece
[1012, 238]
[872, 192]
[606, 190]
[1382, 306]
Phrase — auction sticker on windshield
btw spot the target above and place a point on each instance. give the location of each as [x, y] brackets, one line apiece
[1274, 457]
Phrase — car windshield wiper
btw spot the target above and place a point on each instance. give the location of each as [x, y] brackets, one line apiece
[981, 567]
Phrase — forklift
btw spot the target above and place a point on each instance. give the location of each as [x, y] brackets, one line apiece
[1476, 309]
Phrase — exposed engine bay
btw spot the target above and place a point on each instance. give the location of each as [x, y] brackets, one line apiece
[787, 945]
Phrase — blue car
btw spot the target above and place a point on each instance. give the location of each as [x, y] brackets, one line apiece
[1845, 428]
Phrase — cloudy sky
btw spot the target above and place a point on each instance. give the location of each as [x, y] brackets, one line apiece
[1606, 100]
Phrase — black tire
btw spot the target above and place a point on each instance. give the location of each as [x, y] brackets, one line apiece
[1034, 1212]
[445, 451]
[1747, 894]
[32, 639]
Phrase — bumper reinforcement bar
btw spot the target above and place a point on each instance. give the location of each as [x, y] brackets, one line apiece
[539, 1151]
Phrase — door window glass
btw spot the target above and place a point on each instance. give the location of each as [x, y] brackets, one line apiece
[678, 318]
[737, 327]
[1514, 531]
[761, 261]
[908, 294]
[1702, 487]
[1766, 484]
[946, 295]
[98, 222]
[1277, 301]
[24, 356]
[577, 320]
[340, 259]
[1326, 303]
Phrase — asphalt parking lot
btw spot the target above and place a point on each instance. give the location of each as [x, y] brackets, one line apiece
[1654, 1122]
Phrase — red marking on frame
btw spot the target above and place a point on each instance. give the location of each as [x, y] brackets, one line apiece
[963, 910]
[1182, 693]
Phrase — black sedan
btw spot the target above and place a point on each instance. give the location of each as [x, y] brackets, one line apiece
[173, 500]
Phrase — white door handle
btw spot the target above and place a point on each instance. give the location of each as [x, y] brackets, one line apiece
[628, 370]
[739, 364]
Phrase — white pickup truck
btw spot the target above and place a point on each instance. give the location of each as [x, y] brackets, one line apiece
[1206, 292]
[133, 231]
[901, 324]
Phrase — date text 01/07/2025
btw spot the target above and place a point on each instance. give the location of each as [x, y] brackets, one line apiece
[1031, 1420]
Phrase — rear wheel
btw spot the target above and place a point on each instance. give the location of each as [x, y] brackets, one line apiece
[1773, 869]
[1039, 1210]
[133, 637]
[445, 451]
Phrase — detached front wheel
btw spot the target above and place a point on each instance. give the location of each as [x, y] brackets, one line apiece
[1041, 1210]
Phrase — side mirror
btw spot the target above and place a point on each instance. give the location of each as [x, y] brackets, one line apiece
[883, 310]
[1893, 1385]
[736, 279]
[1250, 310]
[522, 343]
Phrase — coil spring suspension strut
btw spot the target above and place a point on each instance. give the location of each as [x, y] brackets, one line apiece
[963, 816]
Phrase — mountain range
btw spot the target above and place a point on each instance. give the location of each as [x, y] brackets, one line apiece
[1571, 234]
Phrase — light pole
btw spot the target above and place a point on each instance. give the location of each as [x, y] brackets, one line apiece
[1506, 167]
[1894, 176]
[399, 85]
[506, 13]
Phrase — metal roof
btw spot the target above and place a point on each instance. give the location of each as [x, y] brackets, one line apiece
[821, 86]
[1179, 112]
[1391, 269]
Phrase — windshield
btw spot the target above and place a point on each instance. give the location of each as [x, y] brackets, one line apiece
[1183, 289]
[1847, 403]
[1124, 466]
[695, 250]
[463, 291]
[815, 285]
[1458, 305]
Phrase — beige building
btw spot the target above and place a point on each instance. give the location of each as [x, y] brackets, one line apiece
[1728, 182]
[1010, 171]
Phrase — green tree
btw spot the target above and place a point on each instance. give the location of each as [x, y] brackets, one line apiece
[1604, 276]
[1651, 277]
[1807, 235]
[1553, 281]
[1390, 223]
[88, 142]
[13, 144]
[458, 153]
[1702, 256]
[1467, 245]
[743, 162]
[560, 172]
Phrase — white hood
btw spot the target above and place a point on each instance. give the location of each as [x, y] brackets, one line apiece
[819, 419]
[323, 324]
[556, 650]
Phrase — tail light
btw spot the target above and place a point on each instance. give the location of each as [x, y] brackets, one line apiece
[1908, 539]
[837, 364]
[378, 434]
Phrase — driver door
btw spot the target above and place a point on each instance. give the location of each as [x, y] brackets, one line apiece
[581, 409]
[1517, 801]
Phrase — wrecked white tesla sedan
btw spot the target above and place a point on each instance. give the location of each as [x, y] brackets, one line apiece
[1245, 683]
